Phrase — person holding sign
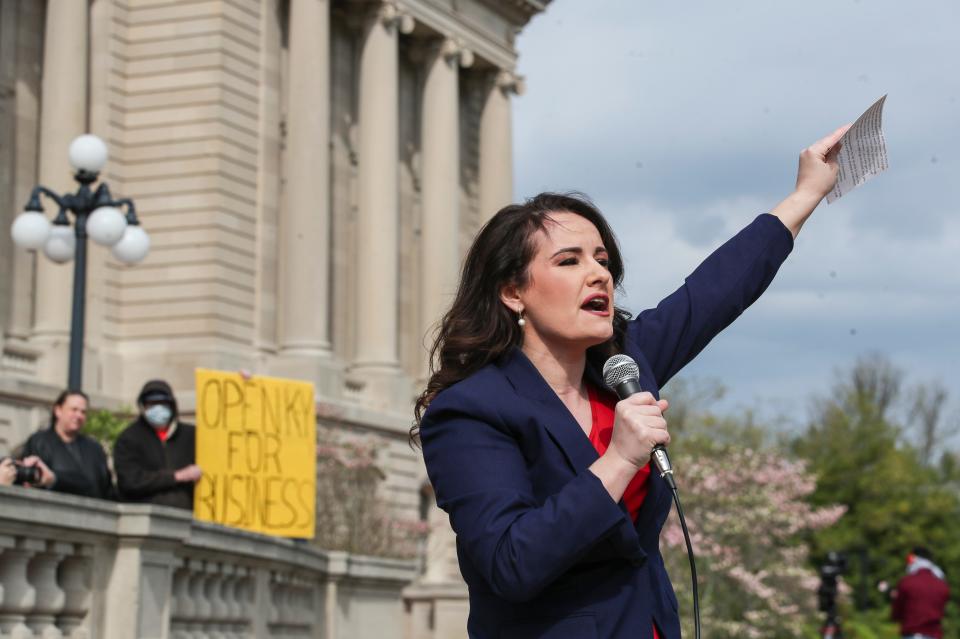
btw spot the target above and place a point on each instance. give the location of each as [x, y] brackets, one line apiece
[154, 456]
[544, 474]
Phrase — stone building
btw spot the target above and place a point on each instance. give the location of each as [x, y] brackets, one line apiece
[309, 171]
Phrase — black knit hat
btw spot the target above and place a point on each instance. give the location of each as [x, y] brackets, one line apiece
[156, 390]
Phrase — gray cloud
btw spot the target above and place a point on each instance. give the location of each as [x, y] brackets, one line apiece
[684, 121]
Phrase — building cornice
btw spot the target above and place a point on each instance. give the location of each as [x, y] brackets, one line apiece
[527, 8]
[497, 52]
[461, 21]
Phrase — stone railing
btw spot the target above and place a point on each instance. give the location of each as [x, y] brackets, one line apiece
[79, 568]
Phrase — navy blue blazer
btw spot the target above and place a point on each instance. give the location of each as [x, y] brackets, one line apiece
[546, 553]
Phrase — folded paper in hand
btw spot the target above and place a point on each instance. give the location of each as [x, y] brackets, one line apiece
[863, 152]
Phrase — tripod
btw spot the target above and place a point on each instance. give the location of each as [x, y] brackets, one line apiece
[827, 596]
[831, 627]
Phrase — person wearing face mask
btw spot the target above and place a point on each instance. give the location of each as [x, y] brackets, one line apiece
[154, 456]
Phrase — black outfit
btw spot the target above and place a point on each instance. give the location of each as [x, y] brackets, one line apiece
[80, 466]
[145, 465]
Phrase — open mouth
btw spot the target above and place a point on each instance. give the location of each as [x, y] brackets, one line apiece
[597, 304]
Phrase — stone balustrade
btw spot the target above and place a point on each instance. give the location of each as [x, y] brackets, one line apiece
[76, 568]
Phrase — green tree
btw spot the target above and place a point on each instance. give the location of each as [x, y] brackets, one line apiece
[745, 502]
[105, 426]
[894, 501]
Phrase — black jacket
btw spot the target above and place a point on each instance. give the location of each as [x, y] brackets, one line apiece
[145, 465]
[83, 471]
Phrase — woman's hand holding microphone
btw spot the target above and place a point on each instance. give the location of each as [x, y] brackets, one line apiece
[638, 427]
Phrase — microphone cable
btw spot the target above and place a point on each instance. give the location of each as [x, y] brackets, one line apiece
[622, 375]
[693, 563]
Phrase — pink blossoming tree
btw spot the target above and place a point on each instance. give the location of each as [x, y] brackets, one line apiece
[749, 519]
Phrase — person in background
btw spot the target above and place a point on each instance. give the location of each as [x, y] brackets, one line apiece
[71, 462]
[154, 456]
[920, 598]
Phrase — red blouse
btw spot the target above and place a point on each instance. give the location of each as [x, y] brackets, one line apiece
[602, 407]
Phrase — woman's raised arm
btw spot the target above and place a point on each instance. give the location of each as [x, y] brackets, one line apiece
[816, 176]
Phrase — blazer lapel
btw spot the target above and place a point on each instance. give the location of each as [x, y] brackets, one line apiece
[568, 435]
[557, 420]
[651, 508]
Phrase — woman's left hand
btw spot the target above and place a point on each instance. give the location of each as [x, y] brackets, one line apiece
[817, 173]
[816, 176]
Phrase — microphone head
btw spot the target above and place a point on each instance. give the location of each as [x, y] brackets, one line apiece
[619, 369]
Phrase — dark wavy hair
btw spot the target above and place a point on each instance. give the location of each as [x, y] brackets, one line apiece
[479, 329]
[61, 398]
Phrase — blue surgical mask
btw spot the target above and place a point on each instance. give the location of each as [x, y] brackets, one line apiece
[158, 415]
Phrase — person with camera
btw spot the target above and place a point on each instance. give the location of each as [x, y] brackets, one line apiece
[74, 463]
[29, 472]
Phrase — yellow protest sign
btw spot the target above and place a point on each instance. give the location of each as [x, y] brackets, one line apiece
[256, 444]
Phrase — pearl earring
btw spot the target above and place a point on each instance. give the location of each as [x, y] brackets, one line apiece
[522, 322]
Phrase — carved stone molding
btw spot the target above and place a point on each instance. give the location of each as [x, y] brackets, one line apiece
[390, 15]
[510, 82]
[453, 49]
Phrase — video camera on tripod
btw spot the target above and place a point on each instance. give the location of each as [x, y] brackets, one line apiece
[833, 567]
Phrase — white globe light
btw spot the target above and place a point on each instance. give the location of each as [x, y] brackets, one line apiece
[61, 244]
[106, 225]
[88, 153]
[30, 230]
[133, 246]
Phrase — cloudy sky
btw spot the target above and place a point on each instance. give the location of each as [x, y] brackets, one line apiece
[683, 121]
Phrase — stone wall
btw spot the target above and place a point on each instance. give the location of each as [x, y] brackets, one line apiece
[85, 569]
[309, 171]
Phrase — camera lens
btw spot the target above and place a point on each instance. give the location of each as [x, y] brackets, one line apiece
[27, 475]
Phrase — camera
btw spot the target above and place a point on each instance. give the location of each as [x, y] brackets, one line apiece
[833, 566]
[26, 474]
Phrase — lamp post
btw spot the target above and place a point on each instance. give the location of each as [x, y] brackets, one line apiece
[97, 215]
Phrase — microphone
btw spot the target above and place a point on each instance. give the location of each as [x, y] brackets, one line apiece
[622, 375]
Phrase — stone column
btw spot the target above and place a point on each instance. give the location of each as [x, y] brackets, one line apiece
[51, 598]
[19, 595]
[304, 259]
[440, 179]
[76, 573]
[63, 116]
[140, 589]
[22, 22]
[376, 365]
[496, 140]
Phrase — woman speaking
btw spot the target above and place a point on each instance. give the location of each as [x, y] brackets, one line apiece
[544, 474]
